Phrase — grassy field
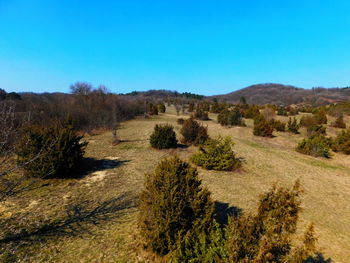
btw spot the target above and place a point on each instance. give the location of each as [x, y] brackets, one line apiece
[93, 218]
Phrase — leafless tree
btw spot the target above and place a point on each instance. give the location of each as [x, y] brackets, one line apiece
[11, 179]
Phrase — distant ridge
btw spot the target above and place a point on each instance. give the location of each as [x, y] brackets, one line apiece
[259, 94]
[272, 93]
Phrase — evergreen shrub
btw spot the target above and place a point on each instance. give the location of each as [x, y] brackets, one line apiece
[163, 137]
[173, 204]
[193, 132]
[217, 154]
[50, 152]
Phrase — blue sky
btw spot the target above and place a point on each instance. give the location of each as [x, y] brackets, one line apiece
[206, 47]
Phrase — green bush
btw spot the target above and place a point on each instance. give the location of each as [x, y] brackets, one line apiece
[281, 111]
[199, 247]
[342, 142]
[231, 117]
[50, 152]
[218, 107]
[339, 122]
[293, 126]
[161, 108]
[217, 154]
[173, 204]
[269, 235]
[262, 127]
[163, 137]
[316, 129]
[316, 145]
[193, 132]
[251, 112]
[277, 125]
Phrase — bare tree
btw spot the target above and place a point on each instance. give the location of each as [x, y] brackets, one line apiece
[81, 88]
[11, 179]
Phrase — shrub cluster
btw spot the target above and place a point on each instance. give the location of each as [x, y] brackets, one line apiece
[341, 143]
[203, 106]
[267, 236]
[316, 145]
[218, 107]
[293, 126]
[316, 129]
[200, 114]
[278, 125]
[163, 137]
[217, 154]
[231, 117]
[172, 205]
[281, 111]
[176, 219]
[50, 152]
[320, 117]
[251, 112]
[193, 132]
[262, 127]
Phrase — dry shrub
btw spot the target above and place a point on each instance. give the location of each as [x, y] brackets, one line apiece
[262, 127]
[342, 142]
[200, 114]
[193, 132]
[293, 126]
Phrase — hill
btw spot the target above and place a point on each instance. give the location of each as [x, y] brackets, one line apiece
[271, 93]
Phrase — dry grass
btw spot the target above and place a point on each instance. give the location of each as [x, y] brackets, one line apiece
[326, 184]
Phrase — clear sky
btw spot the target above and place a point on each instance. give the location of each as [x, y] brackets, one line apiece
[206, 47]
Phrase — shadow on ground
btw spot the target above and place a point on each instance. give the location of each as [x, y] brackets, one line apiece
[223, 211]
[76, 222]
[319, 258]
[91, 165]
[182, 146]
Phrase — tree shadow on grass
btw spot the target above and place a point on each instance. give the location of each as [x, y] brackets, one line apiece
[76, 222]
[318, 258]
[91, 165]
[223, 211]
[135, 140]
[182, 146]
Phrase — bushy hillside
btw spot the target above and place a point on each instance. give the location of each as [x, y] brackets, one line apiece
[283, 94]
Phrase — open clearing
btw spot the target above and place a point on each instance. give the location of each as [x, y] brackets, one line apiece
[106, 198]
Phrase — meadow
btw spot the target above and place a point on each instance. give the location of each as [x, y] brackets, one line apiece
[93, 218]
